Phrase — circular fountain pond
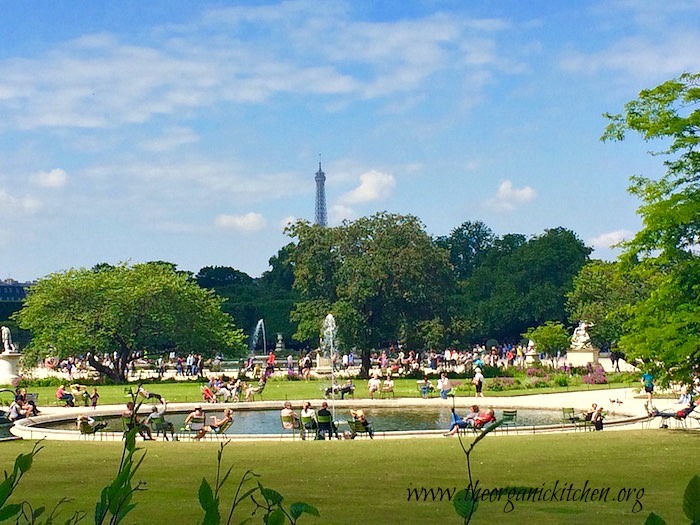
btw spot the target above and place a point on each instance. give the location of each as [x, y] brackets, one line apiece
[248, 422]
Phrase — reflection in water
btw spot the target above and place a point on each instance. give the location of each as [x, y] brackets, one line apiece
[383, 419]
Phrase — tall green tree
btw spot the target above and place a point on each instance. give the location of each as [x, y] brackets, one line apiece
[467, 244]
[381, 276]
[523, 283]
[602, 295]
[549, 337]
[123, 311]
[664, 329]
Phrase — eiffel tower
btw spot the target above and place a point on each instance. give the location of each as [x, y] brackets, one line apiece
[321, 218]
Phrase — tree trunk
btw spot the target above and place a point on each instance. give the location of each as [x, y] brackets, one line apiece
[104, 370]
[364, 368]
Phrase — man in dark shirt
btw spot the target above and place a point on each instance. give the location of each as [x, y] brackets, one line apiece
[326, 427]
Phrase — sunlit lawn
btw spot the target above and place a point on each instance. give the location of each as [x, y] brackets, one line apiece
[365, 481]
[190, 391]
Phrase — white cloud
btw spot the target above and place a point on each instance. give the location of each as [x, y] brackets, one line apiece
[338, 213]
[102, 81]
[248, 223]
[55, 178]
[640, 58]
[10, 205]
[291, 219]
[172, 139]
[609, 239]
[507, 197]
[374, 186]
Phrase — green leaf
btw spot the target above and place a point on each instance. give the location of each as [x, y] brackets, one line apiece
[38, 512]
[212, 516]
[24, 462]
[206, 495]
[123, 512]
[297, 509]
[6, 489]
[271, 496]
[691, 500]
[488, 429]
[463, 503]
[654, 519]
[276, 517]
[9, 511]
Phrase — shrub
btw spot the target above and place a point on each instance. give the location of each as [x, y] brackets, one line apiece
[597, 377]
[502, 383]
[540, 382]
[561, 380]
[535, 371]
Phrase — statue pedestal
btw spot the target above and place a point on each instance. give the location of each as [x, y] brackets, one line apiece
[9, 367]
[582, 357]
[279, 345]
[323, 365]
[531, 358]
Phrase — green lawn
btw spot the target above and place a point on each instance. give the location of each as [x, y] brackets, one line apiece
[365, 481]
[189, 391]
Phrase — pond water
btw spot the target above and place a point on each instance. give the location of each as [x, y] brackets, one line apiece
[382, 419]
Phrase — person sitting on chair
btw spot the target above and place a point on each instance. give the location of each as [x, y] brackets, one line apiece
[16, 411]
[597, 418]
[252, 390]
[359, 416]
[589, 415]
[207, 395]
[461, 423]
[668, 414]
[332, 390]
[132, 419]
[326, 428]
[287, 412]
[374, 384]
[62, 395]
[218, 426]
[388, 385]
[86, 422]
[309, 413]
[347, 388]
[444, 385]
[195, 420]
[484, 418]
[159, 414]
[425, 386]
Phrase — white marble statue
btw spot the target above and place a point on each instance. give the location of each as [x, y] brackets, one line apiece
[580, 339]
[7, 340]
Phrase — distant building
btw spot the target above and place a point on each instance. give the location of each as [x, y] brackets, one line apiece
[321, 218]
[12, 291]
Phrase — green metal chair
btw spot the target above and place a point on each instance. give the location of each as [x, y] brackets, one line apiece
[159, 424]
[358, 429]
[325, 427]
[289, 424]
[510, 419]
[307, 427]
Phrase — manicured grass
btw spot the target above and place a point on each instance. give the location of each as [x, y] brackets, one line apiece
[189, 391]
[365, 481]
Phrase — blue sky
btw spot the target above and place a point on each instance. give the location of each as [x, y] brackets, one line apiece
[191, 131]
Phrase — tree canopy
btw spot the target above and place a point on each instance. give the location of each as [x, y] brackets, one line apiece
[602, 295]
[663, 329]
[522, 283]
[380, 276]
[549, 338]
[122, 311]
